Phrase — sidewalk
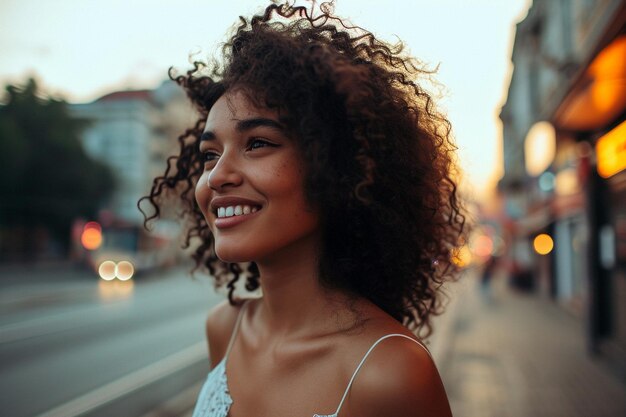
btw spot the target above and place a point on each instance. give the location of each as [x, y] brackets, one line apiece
[520, 355]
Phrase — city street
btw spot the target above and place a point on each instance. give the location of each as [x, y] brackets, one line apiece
[372, 146]
[76, 345]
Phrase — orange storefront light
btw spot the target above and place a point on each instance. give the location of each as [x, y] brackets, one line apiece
[602, 98]
[608, 70]
[611, 151]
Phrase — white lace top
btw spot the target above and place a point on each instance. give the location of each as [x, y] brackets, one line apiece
[215, 400]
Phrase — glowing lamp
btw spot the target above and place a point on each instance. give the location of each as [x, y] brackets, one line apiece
[539, 148]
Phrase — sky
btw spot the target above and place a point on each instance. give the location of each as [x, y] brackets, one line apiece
[82, 49]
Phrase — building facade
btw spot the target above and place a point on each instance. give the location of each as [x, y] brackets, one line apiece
[564, 142]
[132, 132]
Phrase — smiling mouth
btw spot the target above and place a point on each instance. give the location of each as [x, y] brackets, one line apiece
[238, 210]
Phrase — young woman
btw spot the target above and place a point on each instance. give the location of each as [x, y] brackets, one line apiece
[320, 172]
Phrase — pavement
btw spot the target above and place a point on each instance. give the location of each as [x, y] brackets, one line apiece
[516, 355]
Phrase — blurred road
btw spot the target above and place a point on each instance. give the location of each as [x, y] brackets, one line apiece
[72, 344]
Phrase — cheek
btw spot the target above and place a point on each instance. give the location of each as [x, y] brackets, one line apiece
[290, 186]
[203, 194]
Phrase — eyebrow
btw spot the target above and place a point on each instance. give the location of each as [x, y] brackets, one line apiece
[248, 124]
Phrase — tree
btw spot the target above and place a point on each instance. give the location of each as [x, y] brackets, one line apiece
[46, 179]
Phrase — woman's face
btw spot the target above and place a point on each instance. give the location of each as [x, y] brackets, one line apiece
[251, 191]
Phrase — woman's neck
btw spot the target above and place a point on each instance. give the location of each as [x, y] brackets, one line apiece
[293, 298]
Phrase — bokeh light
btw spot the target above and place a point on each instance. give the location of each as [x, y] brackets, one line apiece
[546, 181]
[566, 182]
[125, 270]
[543, 244]
[107, 270]
[539, 148]
[91, 238]
[483, 246]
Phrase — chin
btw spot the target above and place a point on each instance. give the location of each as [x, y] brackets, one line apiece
[233, 255]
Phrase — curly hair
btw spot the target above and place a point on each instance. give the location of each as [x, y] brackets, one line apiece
[380, 162]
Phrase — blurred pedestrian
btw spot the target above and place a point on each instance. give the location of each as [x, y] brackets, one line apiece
[323, 174]
[486, 278]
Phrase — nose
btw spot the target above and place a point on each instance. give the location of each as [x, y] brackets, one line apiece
[224, 174]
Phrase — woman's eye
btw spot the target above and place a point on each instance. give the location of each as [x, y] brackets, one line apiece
[210, 156]
[257, 143]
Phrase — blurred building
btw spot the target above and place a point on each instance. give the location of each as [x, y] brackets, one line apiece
[564, 133]
[133, 132]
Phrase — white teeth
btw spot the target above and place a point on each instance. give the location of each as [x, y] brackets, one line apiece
[235, 210]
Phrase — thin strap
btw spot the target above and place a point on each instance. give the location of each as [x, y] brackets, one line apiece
[358, 368]
[233, 336]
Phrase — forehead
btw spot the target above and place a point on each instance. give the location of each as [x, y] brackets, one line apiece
[235, 106]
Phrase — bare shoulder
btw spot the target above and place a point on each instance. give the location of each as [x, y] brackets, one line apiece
[399, 378]
[220, 323]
